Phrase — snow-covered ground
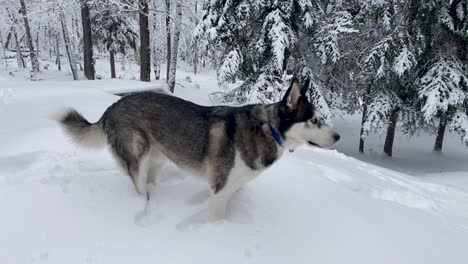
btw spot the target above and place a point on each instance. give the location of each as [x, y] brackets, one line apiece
[62, 204]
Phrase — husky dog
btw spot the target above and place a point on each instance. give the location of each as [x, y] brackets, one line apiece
[227, 146]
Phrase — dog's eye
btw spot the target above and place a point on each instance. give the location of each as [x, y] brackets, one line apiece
[314, 120]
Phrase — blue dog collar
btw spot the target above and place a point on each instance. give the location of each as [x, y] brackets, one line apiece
[275, 134]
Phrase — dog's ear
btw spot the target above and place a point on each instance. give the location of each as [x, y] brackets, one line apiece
[291, 98]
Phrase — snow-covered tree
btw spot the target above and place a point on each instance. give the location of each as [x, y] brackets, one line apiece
[114, 29]
[259, 41]
[444, 91]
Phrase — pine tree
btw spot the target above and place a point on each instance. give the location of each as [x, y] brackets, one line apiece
[387, 67]
[113, 29]
[258, 42]
[443, 89]
[442, 82]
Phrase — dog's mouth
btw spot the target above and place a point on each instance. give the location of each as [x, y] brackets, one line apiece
[313, 144]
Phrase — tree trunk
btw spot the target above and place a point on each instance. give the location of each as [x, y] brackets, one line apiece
[365, 102]
[57, 51]
[112, 63]
[168, 38]
[51, 39]
[4, 52]
[155, 51]
[37, 42]
[32, 53]
[388, 147]
[145, 50]
[175, 47]
[195, 45]
[87, 41]
[19, 54]
[68, 47]
[8, 38]
[195, 58]
[440, 135]
[361, 134]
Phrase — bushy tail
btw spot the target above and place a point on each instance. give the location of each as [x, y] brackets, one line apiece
[80, 130]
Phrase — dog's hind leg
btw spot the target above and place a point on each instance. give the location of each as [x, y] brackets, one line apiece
[140, 177]
[157, 161]
[132, 153]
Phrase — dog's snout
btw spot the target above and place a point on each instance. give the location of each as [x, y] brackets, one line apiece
[336, 136]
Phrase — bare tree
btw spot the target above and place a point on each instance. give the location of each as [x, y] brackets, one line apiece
[168, 38]
[19, 55]
[145, 49]
[175, 47]
[68, 46]
[32, 53]
[87, 41]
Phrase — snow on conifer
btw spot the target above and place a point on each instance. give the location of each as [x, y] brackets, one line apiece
[229, 66]
[378, 112]
[259, 41]
[459, 124]
[444, 85]
[336, 23]
[316, 95]
[444, 91]
[404, 61]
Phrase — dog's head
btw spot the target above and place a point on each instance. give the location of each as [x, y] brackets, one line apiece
[300, 122]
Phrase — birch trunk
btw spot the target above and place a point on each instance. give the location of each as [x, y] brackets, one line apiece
[175, 47]
[155, 51]
[32, 53]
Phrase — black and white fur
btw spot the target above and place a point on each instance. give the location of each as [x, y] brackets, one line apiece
[227, 146]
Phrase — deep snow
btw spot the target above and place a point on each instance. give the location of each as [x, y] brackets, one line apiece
[62, 204]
